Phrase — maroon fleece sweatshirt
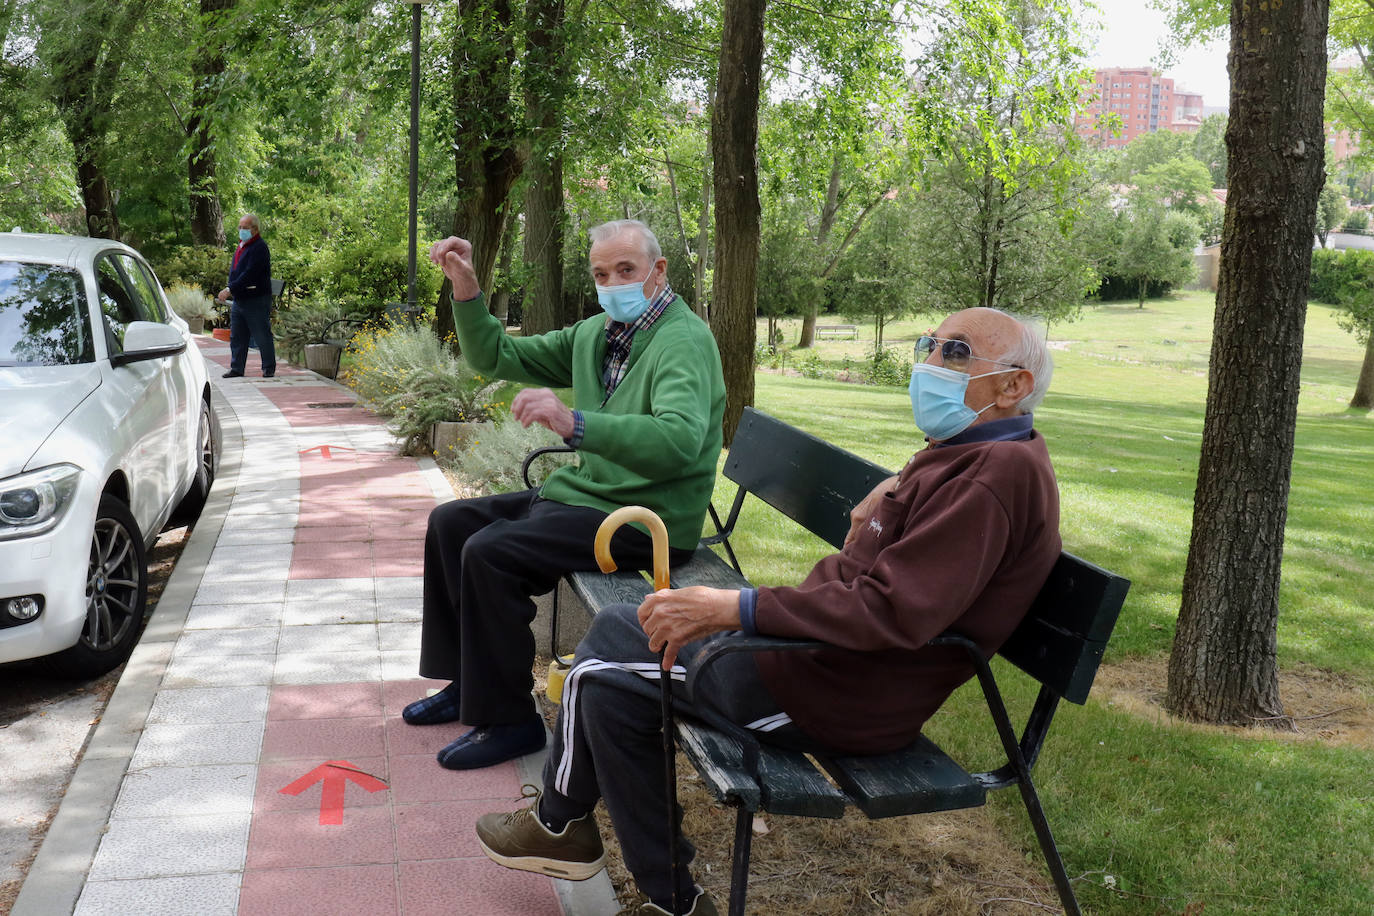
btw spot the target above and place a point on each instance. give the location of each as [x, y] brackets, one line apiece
[964, 542]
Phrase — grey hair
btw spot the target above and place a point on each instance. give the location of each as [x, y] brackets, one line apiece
[1030, 353]
[609, 230]
[253, 221]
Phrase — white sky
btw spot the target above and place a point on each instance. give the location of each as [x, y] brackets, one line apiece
[1131, 37]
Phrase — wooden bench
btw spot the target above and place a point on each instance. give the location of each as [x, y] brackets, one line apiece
[1059, 643]
[838, 330]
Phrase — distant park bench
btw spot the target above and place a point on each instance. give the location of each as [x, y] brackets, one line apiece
[838, 330]
[1059, 643]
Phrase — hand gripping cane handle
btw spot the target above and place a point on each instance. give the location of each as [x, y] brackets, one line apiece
[602, 548]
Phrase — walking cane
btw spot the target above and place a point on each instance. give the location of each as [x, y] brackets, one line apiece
[659, 532]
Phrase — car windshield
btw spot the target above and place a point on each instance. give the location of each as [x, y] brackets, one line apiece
[43, 316]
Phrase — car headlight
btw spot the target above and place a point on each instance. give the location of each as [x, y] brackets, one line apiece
[35, 502]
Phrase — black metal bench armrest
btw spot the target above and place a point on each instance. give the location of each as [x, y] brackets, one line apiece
[530, 458]
[326, 336]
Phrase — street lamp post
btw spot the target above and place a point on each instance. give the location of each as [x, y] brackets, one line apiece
[414, 148]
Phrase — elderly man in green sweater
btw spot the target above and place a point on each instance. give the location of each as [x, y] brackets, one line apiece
[648, 395]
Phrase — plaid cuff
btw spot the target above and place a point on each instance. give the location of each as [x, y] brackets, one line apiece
[579, 430]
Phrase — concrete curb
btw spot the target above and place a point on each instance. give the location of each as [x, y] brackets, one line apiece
[55, 880]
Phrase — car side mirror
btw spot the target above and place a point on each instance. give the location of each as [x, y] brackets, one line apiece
[145, 340]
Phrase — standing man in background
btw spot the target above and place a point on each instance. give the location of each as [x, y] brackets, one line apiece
[250, 283]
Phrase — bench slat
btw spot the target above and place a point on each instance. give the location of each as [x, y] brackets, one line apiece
[1061, 641]
[916, 780]
[791, 785]
[807, 479]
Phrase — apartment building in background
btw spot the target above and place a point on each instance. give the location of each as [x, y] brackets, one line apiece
[1142, 98]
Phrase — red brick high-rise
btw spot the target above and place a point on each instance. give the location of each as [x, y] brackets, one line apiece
[1143, 99]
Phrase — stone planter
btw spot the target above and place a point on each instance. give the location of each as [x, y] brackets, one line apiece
[448, 439]
[196, 325]
[322, 358]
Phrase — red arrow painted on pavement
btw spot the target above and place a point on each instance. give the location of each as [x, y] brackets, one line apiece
[335, 775]
[324, 450]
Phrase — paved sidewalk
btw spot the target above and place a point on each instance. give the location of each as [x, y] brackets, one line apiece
[252, 759]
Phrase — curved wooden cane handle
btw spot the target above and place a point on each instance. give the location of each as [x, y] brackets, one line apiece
[657, 531]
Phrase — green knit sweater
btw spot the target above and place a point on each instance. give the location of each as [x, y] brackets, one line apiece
[654, 442]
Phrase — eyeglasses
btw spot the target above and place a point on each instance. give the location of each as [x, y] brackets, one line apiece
[954, 354]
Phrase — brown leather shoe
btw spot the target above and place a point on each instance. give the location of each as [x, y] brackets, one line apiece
[519, 840]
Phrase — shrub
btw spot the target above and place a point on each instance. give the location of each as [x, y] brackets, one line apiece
[203, 266]
[887, 367]
[302, 323]
[429, 395]
[1356, 221]
[493, 461]
[409, 376]
[810, 366]
[189, 302]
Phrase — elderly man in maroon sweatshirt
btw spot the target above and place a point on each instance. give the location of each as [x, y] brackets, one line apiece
[962, 538]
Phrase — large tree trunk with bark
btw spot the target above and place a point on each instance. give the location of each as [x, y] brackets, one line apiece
[85, 47]
[1363, 398]
[1224, 667]
[828, 211]
[487, 159]
[207, 215]
[545, 91]
[734, 153]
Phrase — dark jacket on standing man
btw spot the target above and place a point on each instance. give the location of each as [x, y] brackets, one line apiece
[250, 277]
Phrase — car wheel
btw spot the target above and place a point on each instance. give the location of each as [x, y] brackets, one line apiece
[116, 595]
[188, 510]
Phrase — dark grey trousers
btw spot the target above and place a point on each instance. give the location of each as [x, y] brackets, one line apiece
[608, 744]
[484, 559]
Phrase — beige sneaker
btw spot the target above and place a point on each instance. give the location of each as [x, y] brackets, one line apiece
[702, 906]
[519, 840]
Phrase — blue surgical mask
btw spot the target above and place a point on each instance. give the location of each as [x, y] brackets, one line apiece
[245, 234]
[623, 303]
[937, 400]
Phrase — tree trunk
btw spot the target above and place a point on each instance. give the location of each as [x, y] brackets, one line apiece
[85, 53]
[827, 222]
[544, 217]
[1140, 292]
[499, 306]
[703, 300]
[1363, 398]
[207, 215]
[1223, 667]
[487, 161]
[734, 151]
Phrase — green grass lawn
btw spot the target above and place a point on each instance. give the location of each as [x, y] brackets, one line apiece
[1175, 814]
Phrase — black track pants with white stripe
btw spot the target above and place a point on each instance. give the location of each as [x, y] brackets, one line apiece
[608, 743]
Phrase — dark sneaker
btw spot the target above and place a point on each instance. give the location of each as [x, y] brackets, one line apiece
[518, 840]
[232, 373]
[702, 906]
[488, 745]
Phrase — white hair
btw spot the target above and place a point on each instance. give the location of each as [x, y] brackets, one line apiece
[253, 221]
[609, 230]
[1028, 351]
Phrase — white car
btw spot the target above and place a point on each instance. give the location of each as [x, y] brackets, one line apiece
[106, 437]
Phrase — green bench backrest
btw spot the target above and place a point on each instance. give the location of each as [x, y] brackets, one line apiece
[1061, 641]
[805, 478]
